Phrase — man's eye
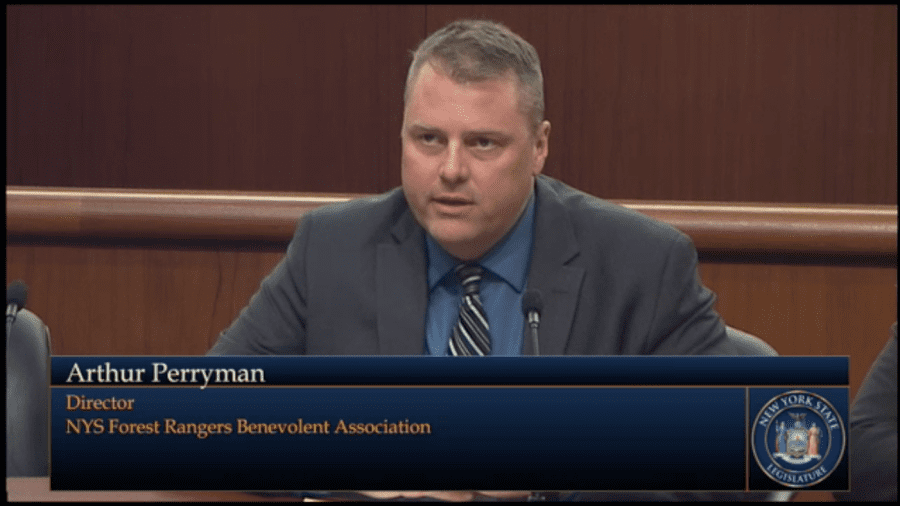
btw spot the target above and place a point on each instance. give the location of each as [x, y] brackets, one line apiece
[428, 138]
[485, 143]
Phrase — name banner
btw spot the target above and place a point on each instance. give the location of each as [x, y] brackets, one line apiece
[449, 423]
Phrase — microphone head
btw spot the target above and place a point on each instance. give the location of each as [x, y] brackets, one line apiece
[17, 293]
[531, 301]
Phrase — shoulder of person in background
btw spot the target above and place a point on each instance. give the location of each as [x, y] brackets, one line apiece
[873, 431]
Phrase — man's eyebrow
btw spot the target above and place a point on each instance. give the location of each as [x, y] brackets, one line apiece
[468, 133]
[417, 126]
[489, 133]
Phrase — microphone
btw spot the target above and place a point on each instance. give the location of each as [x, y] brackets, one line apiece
[16, 296]
[531, 308]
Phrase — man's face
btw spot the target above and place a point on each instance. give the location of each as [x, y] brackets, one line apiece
[469, 159]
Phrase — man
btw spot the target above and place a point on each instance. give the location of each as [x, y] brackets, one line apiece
[873, 431]
[379, 276]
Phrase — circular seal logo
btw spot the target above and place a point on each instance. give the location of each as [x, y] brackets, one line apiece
[798, 439]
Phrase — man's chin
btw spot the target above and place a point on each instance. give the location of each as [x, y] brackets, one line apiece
[461, 244]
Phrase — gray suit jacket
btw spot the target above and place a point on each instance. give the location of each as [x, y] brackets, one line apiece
[353, 282]
[873, 431]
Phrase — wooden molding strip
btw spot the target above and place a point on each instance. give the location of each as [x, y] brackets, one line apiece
[272, 217]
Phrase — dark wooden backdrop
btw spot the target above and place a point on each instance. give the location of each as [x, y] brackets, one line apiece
[731, 103]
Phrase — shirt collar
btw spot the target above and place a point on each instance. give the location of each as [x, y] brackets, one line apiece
[508, 259]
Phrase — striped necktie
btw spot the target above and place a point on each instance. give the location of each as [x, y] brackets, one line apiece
[471, 334]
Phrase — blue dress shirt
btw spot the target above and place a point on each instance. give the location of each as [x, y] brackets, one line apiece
[502, 285]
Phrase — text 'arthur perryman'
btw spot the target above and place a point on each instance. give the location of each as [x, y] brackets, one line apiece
[163, 374]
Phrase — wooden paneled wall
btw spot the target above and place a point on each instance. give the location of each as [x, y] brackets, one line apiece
[761, 103]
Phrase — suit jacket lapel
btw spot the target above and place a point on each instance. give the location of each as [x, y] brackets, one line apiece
[559, 283]
[402, 289]
[402, 286]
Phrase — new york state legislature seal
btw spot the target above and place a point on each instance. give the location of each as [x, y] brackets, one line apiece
[798, 439]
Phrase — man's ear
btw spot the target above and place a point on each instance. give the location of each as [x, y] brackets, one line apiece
[541, 146]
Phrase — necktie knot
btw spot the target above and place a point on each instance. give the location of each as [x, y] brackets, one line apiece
[471, 334]
[470, 277]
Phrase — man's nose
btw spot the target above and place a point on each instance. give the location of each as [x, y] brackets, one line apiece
[454, 167]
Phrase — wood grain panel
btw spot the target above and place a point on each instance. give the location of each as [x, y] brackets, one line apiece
[714, 103]
[159, 214]
[137, 301]
[738, 228]
[728, 103]
[809, 309]
[306, 98]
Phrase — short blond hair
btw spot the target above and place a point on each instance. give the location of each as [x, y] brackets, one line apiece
[478, 50]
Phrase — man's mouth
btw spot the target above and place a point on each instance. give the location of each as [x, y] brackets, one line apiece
[452, 201]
